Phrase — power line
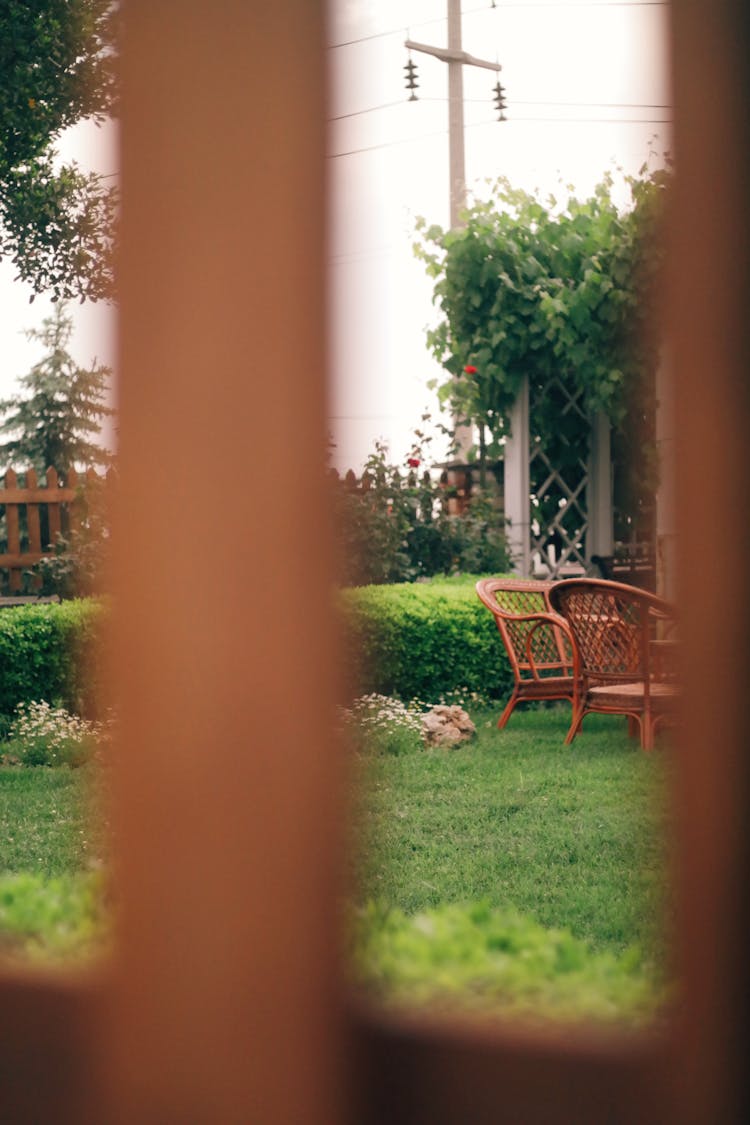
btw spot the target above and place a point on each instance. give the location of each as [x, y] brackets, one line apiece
[524, 120]
[587, 120]
[374, 108]
[388, 144]
[367, 38]
[511, 4]
[590, 105]
[484, 101]
[574, 4]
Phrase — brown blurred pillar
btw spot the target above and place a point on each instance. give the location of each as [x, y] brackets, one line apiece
[710, 298]
[225, 999]
[224, 1007]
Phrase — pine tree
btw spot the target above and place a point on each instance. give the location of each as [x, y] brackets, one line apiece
[53, 421]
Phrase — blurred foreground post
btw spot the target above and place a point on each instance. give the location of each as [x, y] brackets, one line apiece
[225, 997]
[222, 1005]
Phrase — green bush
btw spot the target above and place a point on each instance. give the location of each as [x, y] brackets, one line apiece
[396, 527]
[473, 956]
[48, 652]
[422, 640]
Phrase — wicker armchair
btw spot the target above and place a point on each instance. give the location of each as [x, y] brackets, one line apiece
[538, 646]
[621, 635]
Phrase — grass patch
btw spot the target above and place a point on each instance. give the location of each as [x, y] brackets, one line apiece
[66, 917]
[483, 959]
[52, 821]
[571, 838]
[54, 846]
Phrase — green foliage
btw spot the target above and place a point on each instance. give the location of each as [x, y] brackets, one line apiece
[52, 652]
[397, 527]
[549, 289]
[51, 423]
[422, 640]
[67, 917]
[474, 956]
[57, 67]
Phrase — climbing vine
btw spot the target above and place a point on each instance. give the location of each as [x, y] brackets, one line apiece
[549, 288]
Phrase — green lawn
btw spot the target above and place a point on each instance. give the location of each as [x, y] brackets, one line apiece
[52, 821]
[562, 851]
[572, 837]
[54, 839]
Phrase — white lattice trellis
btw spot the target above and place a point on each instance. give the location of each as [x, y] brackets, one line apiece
[558, 498]
[558, 494]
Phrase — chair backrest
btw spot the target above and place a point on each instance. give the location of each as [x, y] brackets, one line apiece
[612, 624]
[510, 601]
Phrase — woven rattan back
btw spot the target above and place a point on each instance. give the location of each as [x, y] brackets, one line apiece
[612, 624]
[512, 602]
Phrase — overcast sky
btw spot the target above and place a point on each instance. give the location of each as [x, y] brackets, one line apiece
[586, 88]
[94, 149]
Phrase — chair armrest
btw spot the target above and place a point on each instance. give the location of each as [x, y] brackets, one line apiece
[556, 622]
[548, 617]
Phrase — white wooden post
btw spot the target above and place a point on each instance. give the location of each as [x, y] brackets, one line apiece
[599, 537]
[666, 536]
[517, 501]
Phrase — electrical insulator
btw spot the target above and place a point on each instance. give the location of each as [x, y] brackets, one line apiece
[500, 102]
[411, 79]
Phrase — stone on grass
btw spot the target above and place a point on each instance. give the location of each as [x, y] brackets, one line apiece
[447, 726]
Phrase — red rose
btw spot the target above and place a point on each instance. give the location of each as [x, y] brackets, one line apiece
[413, 462]
[470, 369]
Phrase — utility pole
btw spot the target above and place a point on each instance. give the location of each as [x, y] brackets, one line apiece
[456, 58]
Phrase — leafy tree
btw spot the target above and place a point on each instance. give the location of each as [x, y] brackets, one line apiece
[57, 67]
[51, 424]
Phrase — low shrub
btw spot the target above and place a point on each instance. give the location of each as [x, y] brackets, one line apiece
[42, 735]
[421, 641]
[396, 525]
[379, 724]
[474, 956]
[50, 652]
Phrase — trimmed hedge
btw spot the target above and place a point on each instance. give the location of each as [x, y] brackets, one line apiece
[412, 640]
[49, 652]
[420, 640]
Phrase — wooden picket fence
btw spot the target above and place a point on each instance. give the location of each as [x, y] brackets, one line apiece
[457, 483]
[33, 517]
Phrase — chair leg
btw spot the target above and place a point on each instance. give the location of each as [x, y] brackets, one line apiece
[634, 727]
[647, 733]
[507, 710]
[575, 726]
